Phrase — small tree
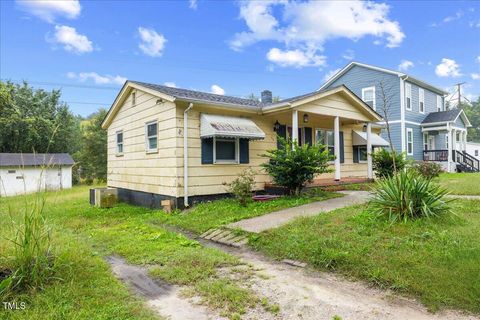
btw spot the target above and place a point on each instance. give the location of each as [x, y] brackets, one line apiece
[242, 186]
[292, 166]
[387, 163]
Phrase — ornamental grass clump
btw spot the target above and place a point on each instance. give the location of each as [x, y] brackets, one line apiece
[407, 196]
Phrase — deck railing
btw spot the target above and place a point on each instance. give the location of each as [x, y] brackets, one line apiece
[435, 155]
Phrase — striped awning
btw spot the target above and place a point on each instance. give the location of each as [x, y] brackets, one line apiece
[360, 139]
[212, 125]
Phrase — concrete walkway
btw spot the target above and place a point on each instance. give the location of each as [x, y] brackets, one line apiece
[279, 218]
[461, 196]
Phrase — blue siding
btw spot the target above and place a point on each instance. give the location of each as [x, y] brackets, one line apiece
[417, 141]
[414, 115]
[459, 123]
[395, 133]
[359, 77]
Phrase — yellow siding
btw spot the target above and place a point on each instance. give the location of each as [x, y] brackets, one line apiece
[137, 170]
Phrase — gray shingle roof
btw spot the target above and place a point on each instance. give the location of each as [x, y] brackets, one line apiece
[442, 116]
[191, 95]
[34, 159]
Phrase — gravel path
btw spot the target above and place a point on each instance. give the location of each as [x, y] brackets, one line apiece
[281, 217]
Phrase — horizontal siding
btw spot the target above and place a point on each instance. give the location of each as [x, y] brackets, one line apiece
[136, 169]
[360, 77]
[414, 115]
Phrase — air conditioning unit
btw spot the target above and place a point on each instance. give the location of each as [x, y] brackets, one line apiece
[103, 197]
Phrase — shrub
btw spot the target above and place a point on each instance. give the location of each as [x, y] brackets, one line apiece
[242, 186]
[292, 166]
[382, 161]
[407, 196]
[428, 170]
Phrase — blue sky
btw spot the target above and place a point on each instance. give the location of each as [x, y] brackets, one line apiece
[88, 48]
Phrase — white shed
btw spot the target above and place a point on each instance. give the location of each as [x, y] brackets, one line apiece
[22, 173]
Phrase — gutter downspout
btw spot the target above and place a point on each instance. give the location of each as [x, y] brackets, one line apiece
[185, 154]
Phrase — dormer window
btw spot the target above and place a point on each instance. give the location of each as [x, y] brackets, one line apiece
[368, 96]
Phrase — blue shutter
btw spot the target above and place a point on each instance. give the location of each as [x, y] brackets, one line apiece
[355, 154]
[244, 151]
[207, 151]
[342, 153]
[282, 132]
[308, 135]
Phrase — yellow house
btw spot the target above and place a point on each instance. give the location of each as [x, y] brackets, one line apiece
[175, 144]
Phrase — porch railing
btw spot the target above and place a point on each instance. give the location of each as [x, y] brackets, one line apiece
[435, 155]
[467, 160]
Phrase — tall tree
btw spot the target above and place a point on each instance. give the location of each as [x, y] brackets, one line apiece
[472, 110]
[35, 121]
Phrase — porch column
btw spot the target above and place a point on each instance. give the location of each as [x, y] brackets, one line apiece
[465, 141]
[450, 142]
[336, 135]
[294, 125]
[369, 151]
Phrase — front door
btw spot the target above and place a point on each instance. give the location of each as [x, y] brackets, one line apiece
[431, 142]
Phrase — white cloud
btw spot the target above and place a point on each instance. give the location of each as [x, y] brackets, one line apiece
[454, 17]
[330, 74]
[170, 84]
[97, 78]
[405, 65]
[193, 4]
[217, 89]
[48, 10]
[478, 59]
[295, 58]
[71, 40]
[448, 68]
[475, 76]
[152, 43]
[348, 54]
[307, 25]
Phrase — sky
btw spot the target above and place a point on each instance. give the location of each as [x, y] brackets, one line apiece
[89, 48]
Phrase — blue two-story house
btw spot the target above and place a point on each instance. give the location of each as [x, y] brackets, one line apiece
[420, 124]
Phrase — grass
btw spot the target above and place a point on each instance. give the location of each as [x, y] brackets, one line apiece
[85, 288]
[436, 260]
[208, 215]
[460, 183]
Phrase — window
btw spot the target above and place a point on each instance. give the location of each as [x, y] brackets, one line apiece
[409, 141]
[421, 100]
[12, 171]
[120, 142]
[362, 154]
[327, 138]
[439, 103]
[446, 141]
[368, 96]
[408, 96]
[151, 129]
[476, 153]
[225, 150]
[134, 98]
[425, 141]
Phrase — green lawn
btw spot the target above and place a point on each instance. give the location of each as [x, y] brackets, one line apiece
[436, 260]
[205, 216]
[86, 289]
[461, 183]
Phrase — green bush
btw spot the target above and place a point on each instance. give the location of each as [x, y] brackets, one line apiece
[382, 161]
[407, 196]
[427, 169]
[242, 186]
[292, 166]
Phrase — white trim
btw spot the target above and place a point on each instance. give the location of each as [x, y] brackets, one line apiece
[117, 153]
[369, 151]
[408, 95]
[147, 142]
[409, 130]
[373, 95]
[237, 151]
[421, 99]
[336, 138]
[402, 113]
[466, 122]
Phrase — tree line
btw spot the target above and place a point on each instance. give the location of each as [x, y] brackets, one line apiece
[38, 121]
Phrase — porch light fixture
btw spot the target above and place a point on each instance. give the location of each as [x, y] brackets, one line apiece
[305, 118]
[276, 126]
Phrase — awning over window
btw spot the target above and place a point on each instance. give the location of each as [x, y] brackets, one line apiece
[360, 139]
[228, 127]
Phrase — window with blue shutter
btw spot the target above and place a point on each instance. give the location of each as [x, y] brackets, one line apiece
[225, 150]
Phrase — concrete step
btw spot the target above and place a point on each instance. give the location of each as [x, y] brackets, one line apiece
[225, 236]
